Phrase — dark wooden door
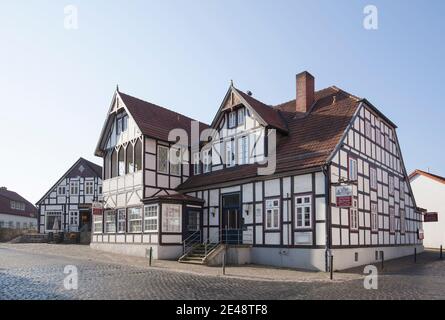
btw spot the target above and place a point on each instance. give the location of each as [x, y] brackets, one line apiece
[231, 219]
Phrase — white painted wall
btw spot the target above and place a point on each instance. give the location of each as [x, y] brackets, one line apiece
[430, 195]
[5, 220]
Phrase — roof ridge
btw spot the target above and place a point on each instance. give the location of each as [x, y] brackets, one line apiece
[427, 174]
[352, 96]
[158, 106]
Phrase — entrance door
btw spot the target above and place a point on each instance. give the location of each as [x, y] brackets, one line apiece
[85, 221]
[231, 219]
[193, 223]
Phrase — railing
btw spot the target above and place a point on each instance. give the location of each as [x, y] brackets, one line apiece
[228, 236]
[190, 241]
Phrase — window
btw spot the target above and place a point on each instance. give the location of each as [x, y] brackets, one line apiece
[392, 220]
[129, 164]
[53, 220]
[368, 129]
[241, 116]
[18, 205]
[2, 224]
[10, 224]
[138, 156]
[272, 214]
[196, 164]
[107, 165]
[387, 143]
[17, 225]
[121, 220]
[151, 218]
[25, 225]
[97, 223]
[230, 153]
[175, 161]
[89, 187]
[353, 216]
[121, 162]
[119, 126]
[74, 219]
[303, 211]
[374, 218]
[232, 120]
[110, 221]
[61, 191]
[163, 159]
[391, 185]
[243, 151]
[402, 190]
[373, 178]
[134, 220]
[124, 123]
[352, 169]
[171, 218]
[74, 188]
[402, 221]
[114, 164]
[207, 162]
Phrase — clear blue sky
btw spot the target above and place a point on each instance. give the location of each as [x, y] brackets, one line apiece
[56, 84]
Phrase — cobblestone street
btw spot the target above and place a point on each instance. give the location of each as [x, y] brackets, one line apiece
[31, 272]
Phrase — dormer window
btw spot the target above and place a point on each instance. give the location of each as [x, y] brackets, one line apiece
[241, 116]
[232, 119]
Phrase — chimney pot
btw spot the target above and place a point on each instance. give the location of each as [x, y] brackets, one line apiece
[305, 92]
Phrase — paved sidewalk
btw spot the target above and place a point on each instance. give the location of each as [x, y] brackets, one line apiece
[245, 272]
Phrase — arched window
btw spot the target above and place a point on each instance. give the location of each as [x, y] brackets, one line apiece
[130, 159]
[121, 159]
[114, 164]
[138, 156]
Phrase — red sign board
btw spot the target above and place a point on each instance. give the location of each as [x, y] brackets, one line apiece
[431, 217]
[343, 196]
[98, 208]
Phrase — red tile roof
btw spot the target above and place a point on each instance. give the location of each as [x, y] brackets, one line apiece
[310, 140]
[428, 175]
[6, 196]
[155, 121]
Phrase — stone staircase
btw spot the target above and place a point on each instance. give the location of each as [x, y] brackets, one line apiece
[199, 253]
[31, 238]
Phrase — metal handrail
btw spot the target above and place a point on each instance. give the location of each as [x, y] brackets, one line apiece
[187, 244]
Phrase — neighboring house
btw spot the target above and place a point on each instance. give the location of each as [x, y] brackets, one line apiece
[284, 214]
[16, 212]
[429, 191]
[67, 206]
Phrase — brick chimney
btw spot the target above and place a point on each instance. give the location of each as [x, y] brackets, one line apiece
[305, 91]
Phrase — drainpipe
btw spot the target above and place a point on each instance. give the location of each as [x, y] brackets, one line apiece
[328, 245]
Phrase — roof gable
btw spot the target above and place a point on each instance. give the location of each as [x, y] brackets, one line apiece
[81, 168]
[6, 196]
[431, 176]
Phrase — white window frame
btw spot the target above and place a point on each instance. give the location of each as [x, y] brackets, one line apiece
[196, 163]
[167, 150]
[121, 220]
[374, 217]
[243, 150]
[368, 129]
[402, 190]
[232, 119]
[151, 220]
[352, 169]
[53, 213]
[73, 219]
[110, 223]
[98, 221]
[272, 214]
[207, 164]
[172, 218]
[230, 153]
[89, 188]
[241, 116]
[303, 205]
[353, 216]
[74, 185]
[392, 220]
[373, 178]
[175, 162]
[59, 188]
[132, 220]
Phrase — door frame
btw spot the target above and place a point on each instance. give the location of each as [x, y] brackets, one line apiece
[240, 216]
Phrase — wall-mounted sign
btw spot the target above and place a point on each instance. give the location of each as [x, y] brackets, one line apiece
[343, 196]
[420, 234]
[98, 208]
[430, 217]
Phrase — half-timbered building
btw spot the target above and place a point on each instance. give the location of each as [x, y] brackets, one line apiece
[67, 205]
[260, 182]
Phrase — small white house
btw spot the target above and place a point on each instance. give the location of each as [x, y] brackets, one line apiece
[429, 191]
